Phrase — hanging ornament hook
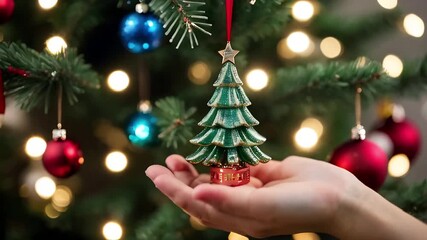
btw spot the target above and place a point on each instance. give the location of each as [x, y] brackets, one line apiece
[59, 133]
[358, 132]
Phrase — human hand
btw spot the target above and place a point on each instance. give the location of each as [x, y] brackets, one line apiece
[283, 197]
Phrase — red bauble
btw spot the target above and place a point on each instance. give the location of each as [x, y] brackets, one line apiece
[6, 10]
[364, 159]
[405, 136]
[62, 158]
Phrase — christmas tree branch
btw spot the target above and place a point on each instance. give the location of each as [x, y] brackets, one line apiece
[174, 121]
[181, 14]
[33, 78]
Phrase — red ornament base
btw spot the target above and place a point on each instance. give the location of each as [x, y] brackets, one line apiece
[230, 175]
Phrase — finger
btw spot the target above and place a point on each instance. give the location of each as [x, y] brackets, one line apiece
[156, 170]
[224, 198]
[201, 179]
[268, 172]
[183, 170]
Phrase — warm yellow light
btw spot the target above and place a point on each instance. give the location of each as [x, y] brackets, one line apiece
[199, 73]
[314, 124]
[236, 236]
[283, 50]
[112, 231]
[62, 196]
[393, 65]
[196, 224]
[118, 81]
[330, 47]
[56, 45]
[47, 4]
[306, 236]
[298, 42]
[51, 212]
[303, 10]
[257, 79]
[398, 165]
[45, 187]
[413, 25]
[116, 161]
[388, 4]
[35, 147]
[306, 138]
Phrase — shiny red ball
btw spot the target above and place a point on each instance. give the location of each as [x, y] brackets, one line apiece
[62, 158]
[6, 10]
[364, 159]
[405, 136]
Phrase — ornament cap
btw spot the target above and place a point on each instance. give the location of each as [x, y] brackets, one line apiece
[59, 134]
[358, 132]
[144, 106]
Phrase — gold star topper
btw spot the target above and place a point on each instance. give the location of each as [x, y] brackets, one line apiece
[228, 53]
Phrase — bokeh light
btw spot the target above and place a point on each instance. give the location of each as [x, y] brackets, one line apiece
[283, 50]
[306, 236]
[116, 161]
[197, 224]
[51, 212]
[298, 42]
[388, 4]
[112, 230]
[62, 196]
[199, 73]
[56, 44]
[118, 81]
[398, 165]
[45, 187]
[306, 138]
[257, 79]
[413, 25]
[393, 65]
[35, 147]
[236, 236]
[47, 4]
[303, 10]
[314, 124]
[330, 47]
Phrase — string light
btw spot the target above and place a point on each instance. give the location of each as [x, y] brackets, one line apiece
[51, 212]
[283, 50]
[257, 79]
[47, 4]
[199, 73]
[303, 10]
[306, 138]
[393, 65]
[306, 236]
[314, 124]
[413, 25]
[298, 42]
[45, 187]
[62, 197]
[330, 47]
[236, 236]
[35, 147]
[56, 44]
[398, 165]
[116, 161]
[118, 81]
[112, 230]
[388, 4]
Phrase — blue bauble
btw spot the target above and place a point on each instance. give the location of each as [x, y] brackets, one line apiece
[141, 32]
[142, 130]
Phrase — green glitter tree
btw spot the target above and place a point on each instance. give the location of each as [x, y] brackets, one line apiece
[229, 138]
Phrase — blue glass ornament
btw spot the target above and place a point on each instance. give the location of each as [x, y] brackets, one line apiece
[142, 130]
[141, 32]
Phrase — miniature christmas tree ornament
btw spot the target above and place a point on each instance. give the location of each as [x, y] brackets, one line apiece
[229, 142]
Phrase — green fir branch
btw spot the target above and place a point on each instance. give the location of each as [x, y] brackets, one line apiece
[183, 15]
[174, 121]
[45, 74]
[335, 80]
